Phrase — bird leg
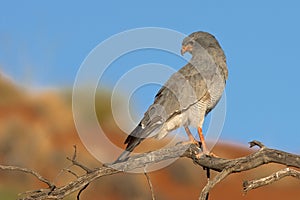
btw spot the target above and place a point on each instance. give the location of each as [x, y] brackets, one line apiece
[190, 135]
[204, 147]
[193, 140]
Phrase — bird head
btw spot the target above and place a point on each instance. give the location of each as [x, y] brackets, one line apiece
[197, 41]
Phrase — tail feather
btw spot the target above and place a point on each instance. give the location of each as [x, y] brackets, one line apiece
[136, 137]
[123, 157]
[131, 142]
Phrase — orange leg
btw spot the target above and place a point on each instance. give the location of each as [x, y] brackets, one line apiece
[192, 140]
[191, 137]
[204, 147]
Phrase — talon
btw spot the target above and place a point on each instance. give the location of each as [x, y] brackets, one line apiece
[198, 155]
[188, 142]
[213, 155]
[179, 143]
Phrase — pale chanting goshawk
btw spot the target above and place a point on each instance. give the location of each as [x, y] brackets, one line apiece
[188, 96]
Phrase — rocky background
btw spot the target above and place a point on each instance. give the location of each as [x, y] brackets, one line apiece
[37, 131]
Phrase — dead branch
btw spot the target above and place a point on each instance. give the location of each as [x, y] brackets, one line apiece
[225, 166]
[76, 163]
[81, 190]
[29, 171]
[150, 185]
[253, 184]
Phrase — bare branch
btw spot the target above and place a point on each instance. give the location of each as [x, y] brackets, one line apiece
[28, 171]
[81, 190]
[261, 157]
[256, 143]
[253, 184]
[76, 163]
[225, 166]
[150, 185]
[211, 183]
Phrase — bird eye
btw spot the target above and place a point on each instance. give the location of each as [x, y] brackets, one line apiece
[191, 42]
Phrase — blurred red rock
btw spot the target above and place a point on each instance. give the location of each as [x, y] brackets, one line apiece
[37, 131]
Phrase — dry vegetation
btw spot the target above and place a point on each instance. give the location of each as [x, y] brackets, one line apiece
[37, 132]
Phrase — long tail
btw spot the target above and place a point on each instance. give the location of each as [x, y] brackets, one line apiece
[131, 142]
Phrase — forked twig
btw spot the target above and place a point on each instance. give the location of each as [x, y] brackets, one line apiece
[253, 184]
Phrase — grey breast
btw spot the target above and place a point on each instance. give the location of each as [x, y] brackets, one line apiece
[187, 96]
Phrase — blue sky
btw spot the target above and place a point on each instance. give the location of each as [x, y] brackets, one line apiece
[44, 43]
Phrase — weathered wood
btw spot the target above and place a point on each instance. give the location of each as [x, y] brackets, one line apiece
[224, 166]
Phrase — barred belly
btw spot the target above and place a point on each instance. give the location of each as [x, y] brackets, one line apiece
[196, 114]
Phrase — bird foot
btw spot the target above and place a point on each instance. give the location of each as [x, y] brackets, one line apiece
[207, 153]
[213, 155]
[205, 150]
[198, 155]
[189, 142]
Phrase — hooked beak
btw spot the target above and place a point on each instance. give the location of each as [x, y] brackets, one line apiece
[186, 48]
